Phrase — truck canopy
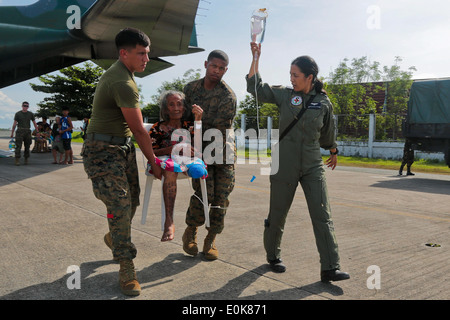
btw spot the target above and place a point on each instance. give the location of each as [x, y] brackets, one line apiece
[429, 102]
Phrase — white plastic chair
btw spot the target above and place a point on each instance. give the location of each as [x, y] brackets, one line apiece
[148, 191]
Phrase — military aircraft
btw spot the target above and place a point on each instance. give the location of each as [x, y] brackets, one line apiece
[53, 34]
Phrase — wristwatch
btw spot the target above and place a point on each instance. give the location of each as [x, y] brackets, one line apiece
[334, 153]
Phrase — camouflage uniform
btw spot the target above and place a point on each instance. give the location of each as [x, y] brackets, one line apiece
[114, 174]
[408, 157]
[109, 157]
[23, 133]
[23, 136]
[219, 110]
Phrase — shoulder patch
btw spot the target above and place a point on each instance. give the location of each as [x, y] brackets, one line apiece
[296, 101]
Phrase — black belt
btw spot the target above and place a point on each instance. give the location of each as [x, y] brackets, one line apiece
[121, 141]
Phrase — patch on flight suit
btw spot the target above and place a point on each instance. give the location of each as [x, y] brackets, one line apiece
[315, 105]
[296, 101]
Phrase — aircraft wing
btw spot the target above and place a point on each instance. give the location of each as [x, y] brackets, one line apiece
[154, 65]
[168, 23]
[36, 39]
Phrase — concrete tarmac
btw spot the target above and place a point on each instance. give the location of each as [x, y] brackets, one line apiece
[393, 236]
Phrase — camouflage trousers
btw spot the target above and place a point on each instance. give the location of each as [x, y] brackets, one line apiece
[219, 184]
[23, 136]
[408, 158]
[115, 180]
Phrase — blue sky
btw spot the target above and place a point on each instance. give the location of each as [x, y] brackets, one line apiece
[418, 31]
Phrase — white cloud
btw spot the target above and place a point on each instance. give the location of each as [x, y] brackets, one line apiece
[8, 107]
[7, 104]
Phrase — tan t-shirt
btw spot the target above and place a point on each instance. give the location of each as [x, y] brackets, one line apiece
[116, 89]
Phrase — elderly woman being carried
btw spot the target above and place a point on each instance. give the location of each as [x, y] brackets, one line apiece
[172, 141]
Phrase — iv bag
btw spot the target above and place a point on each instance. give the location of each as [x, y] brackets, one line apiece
[258, 25]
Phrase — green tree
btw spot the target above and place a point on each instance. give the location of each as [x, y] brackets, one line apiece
[352, 86]
[176, 84]
[151, 113]
[248, 107]
[398, 84]
[74, 87]
[349, 84]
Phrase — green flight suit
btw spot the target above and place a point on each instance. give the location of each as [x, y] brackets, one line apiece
[300, 160]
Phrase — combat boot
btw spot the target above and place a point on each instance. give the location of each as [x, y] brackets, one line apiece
[17, 163]
[333, 275]
[25, 161]
[127, 278]
[209, 247]
[108, 241]
[190, 240]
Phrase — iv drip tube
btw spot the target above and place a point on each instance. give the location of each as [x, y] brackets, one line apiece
[257, 31]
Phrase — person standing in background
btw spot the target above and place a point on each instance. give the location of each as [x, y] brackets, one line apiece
[66, 135]
[23, 134]
[408, 158]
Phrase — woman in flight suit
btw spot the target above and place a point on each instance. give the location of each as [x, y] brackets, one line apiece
[300, 160]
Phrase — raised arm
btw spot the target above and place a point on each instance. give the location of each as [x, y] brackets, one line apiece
[256, 49]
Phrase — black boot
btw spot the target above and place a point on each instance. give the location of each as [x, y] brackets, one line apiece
[333, 275]
[277, 266]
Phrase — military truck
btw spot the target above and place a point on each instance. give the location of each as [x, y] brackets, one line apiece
[427, 123]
